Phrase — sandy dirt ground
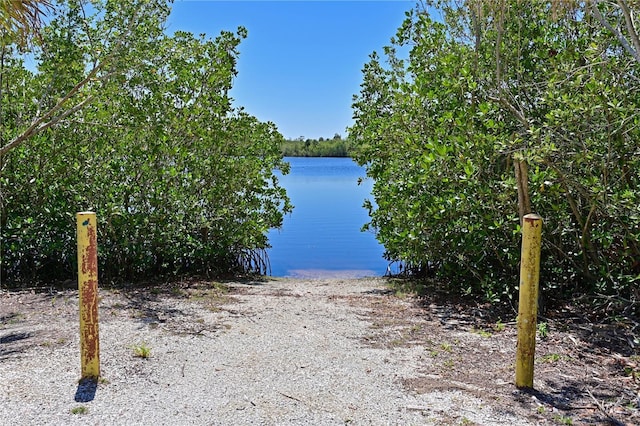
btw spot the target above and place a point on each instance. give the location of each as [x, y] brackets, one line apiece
[327, 351]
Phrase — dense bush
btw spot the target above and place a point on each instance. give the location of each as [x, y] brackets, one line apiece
[181, 181]
[485, 90]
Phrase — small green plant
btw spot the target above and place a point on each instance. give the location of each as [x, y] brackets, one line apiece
[449, 363]
[500, 326]
[220, 287]
[563, 420]
[551, 358]
[481, 332]
[445, 347]
[541, 409]
[79, 410]
[142, 351]
[632, 372]
[400, 294]
[543, 330]
[50, 344]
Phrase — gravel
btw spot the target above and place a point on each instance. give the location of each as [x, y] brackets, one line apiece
[278, 352]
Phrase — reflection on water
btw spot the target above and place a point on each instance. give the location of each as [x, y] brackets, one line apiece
[322, 237]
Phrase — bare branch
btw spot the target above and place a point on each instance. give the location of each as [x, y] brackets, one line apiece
[633, 34]
[621, 38]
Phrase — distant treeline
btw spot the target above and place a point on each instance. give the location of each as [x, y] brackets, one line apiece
[321, 147]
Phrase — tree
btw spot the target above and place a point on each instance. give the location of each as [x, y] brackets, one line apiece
[109, 55]
[182, 181]
[494, 86]
[578, 46]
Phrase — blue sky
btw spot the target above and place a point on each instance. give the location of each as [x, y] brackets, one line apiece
[301, 63]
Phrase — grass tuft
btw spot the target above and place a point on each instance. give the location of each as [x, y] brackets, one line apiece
[79, 410]
[142, 351]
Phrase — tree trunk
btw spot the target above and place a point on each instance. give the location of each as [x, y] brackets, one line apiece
[522, 181]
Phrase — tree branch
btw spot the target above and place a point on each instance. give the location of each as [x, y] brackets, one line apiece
[519, 115]
[41, 122]
[41, 125]
[633, 34]
[625, 43]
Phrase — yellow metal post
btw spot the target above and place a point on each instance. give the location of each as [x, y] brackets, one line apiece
[88, 294]
[528, 303]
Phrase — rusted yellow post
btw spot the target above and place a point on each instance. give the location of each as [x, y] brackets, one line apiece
[528, 303]
[88, 294]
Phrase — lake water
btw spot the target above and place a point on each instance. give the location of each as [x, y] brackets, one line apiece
[322, 237]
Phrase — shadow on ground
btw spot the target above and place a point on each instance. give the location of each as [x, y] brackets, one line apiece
[86, 391]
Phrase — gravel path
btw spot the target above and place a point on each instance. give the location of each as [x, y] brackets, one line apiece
[279, 352]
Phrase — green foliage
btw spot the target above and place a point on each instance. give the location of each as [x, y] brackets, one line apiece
[551, 358]
[543, 330]
[181, 182]
[439, 129]
[336, 147]
[142, 351]
[81, 409]
[563, 420]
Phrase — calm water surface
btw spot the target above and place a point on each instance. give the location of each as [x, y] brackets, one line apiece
[322, 237]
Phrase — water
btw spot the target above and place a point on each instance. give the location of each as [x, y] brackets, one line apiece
[322, 237]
